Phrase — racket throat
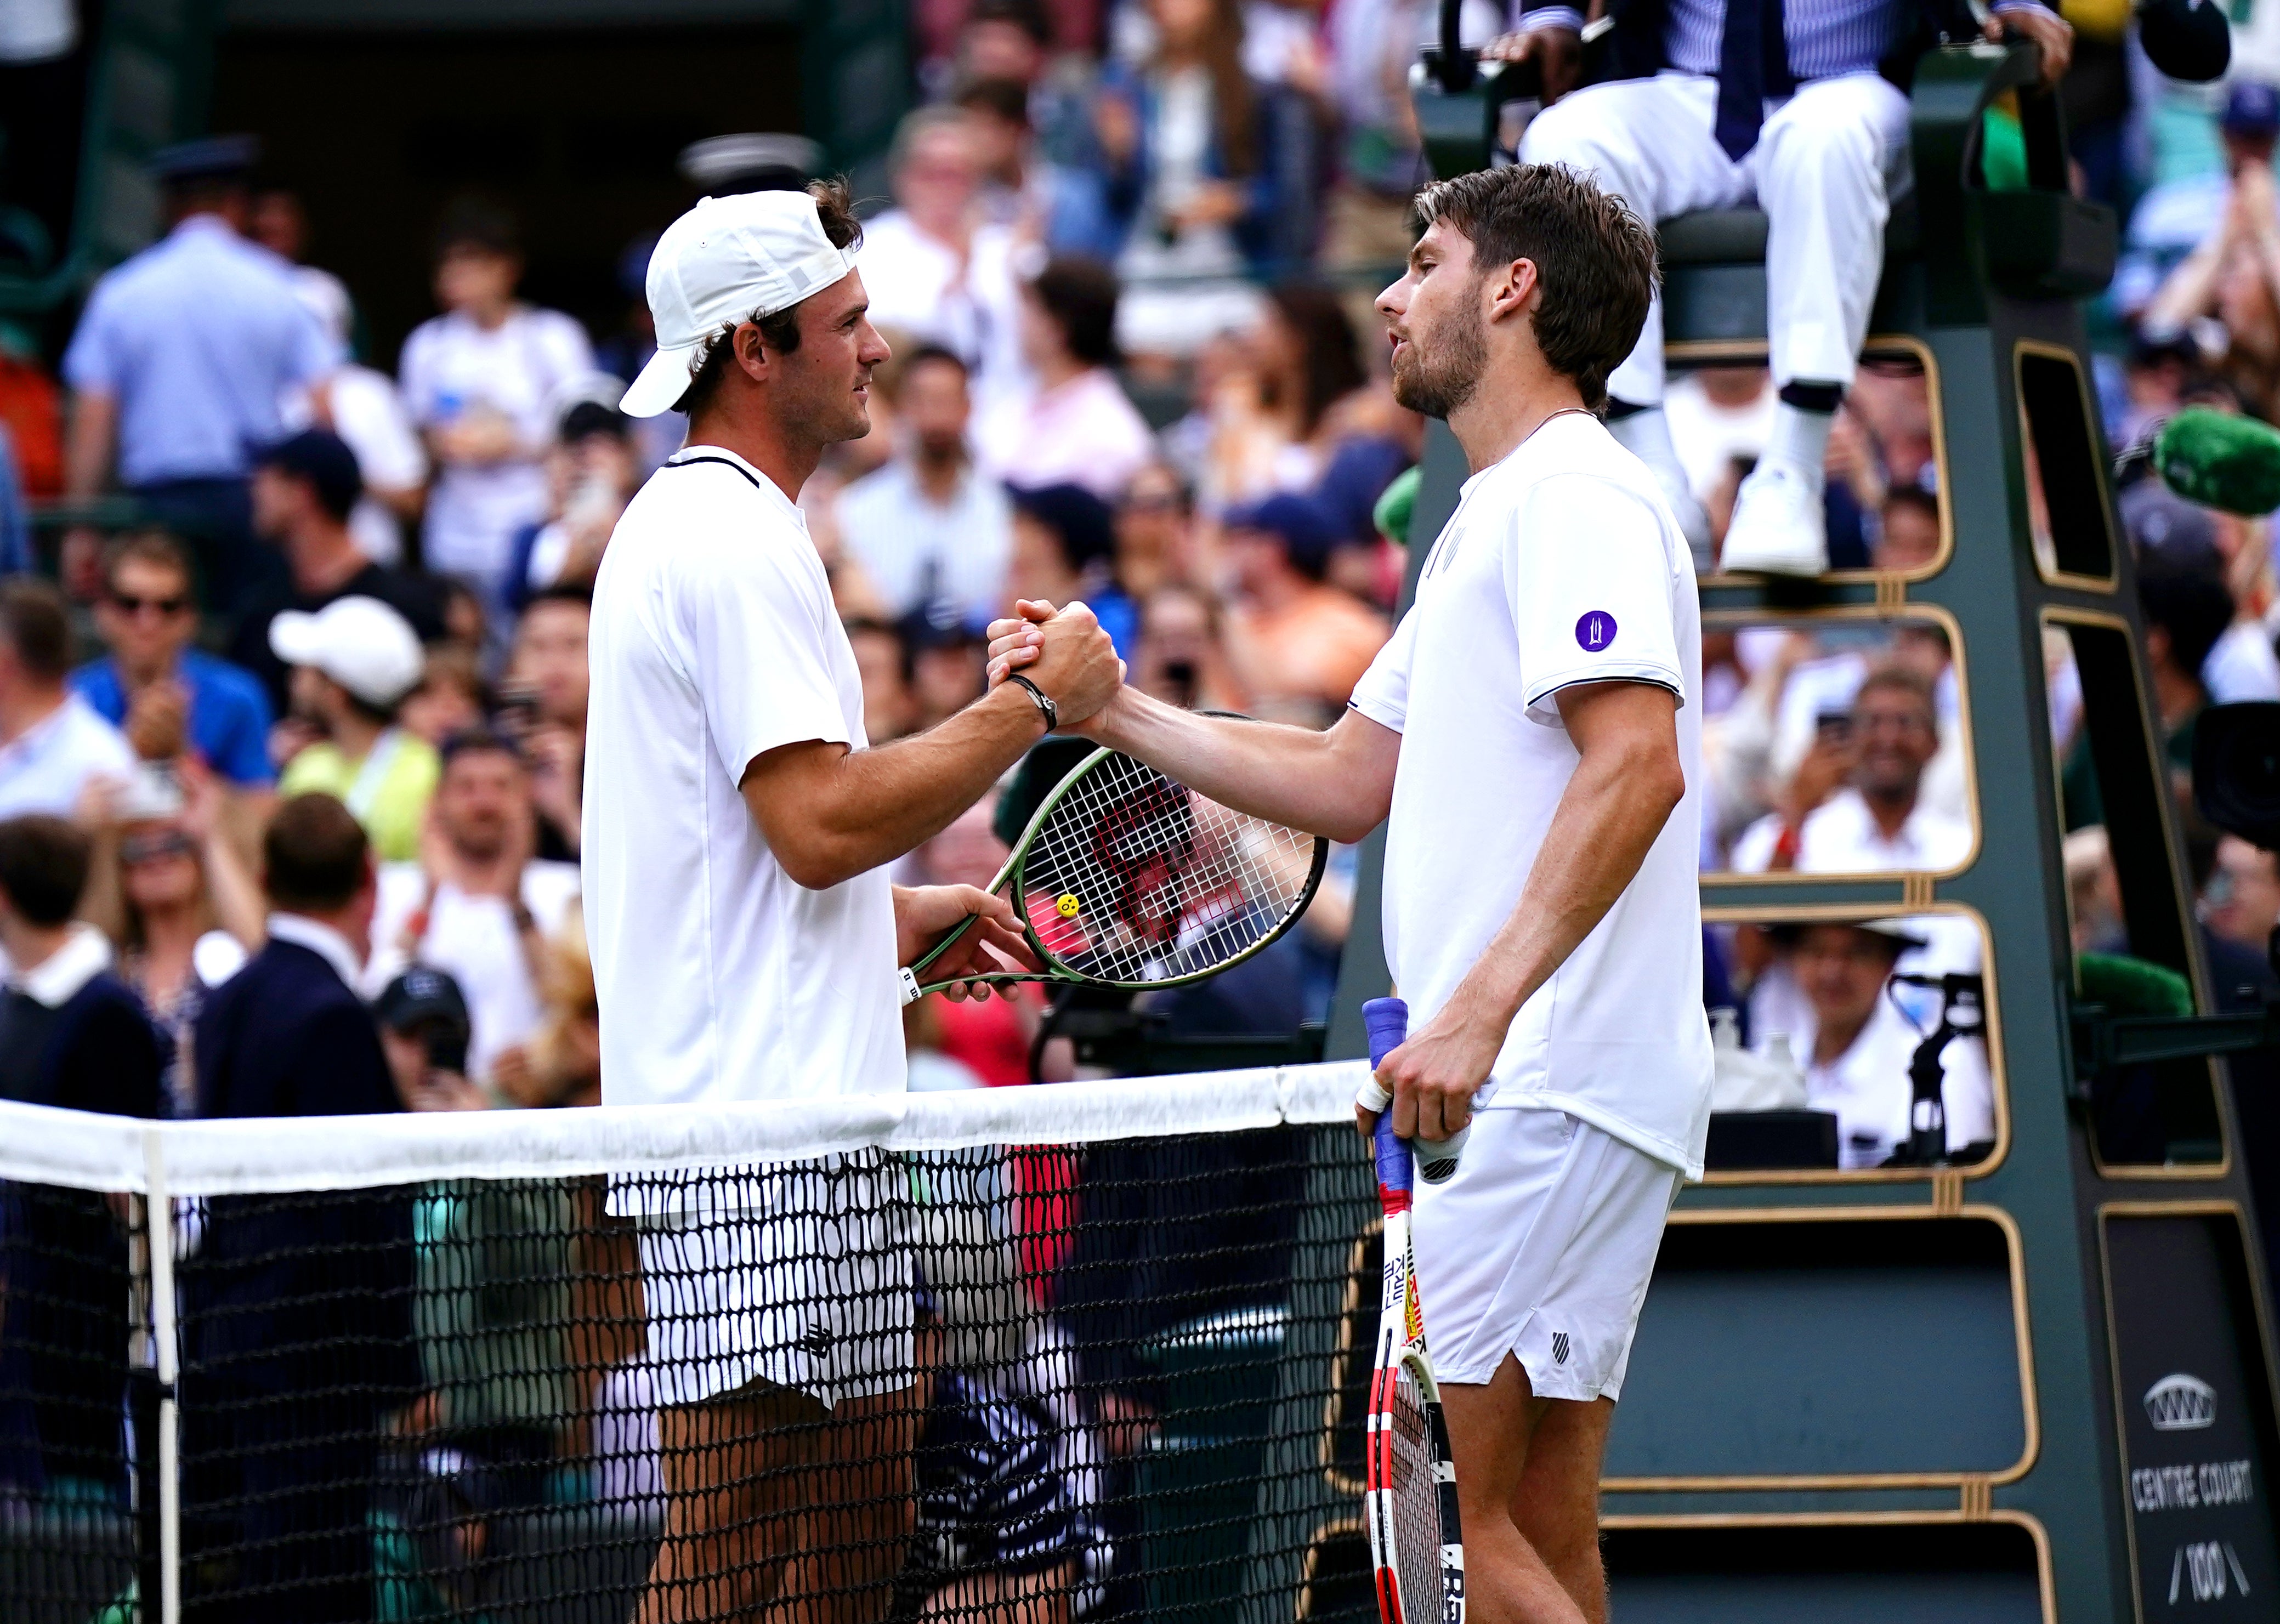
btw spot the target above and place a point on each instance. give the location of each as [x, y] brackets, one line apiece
[910, 984]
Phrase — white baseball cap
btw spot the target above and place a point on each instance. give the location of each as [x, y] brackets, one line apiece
[729, 259]
[360, 643]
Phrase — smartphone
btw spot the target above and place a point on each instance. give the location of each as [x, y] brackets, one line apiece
[152, 792]
[1833, 728]
[518, 710]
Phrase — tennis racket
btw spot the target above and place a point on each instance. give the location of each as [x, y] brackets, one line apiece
[1127, 878]
[1410, 1488]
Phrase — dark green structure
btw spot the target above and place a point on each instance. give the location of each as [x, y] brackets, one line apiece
[2038, 1387]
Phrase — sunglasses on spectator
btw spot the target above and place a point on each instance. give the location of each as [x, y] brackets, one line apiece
[129, 604]
[152, 848]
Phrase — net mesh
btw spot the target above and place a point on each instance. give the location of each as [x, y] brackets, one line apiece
[1135, 878]
[1039, 1362]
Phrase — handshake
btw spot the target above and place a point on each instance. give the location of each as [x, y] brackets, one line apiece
[1063, 652]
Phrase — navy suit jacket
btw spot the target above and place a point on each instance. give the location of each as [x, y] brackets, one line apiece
[302, 1293]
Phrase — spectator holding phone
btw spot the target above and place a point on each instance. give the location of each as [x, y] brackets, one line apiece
[544, 708]
[423, 1032]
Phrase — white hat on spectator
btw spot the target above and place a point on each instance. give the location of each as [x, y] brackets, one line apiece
[359, 642]
[729, 259]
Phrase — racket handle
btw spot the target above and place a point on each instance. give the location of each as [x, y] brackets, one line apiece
[1387, 1022]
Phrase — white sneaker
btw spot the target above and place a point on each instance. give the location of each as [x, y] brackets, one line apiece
[1779, 527]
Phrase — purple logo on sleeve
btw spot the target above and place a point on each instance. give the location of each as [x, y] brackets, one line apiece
[1595, 631]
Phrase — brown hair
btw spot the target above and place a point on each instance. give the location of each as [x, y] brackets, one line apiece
[314, 856]
[1235, 111]
[835, 205]
[34, 623]
[157, 548]
[1594, 258]
[1330, 355]
[1900, 680]
[43, 864]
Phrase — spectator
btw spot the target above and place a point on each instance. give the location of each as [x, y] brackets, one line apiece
[451, 697]
[422, 1017]
[477, 904]
[2234, 277]
[2186, 611]
[1155, 531]
[366, 409]
[546, 705]
[1293, 641]
[154, 684]
[948, 664]
[70, 1034]
[2181, 215]
[305, 489]
[187, 909]
[297, 1311]
[1853, 805]
[51, 742]
[933, 266]
[482, 379]
[1193, 170]
[277, 221]
[1311, 363]
[1858, 1050]
[882, 664]
[931, 533]
[1077, 427]
[354, 662]
[562, 1063]
[1016, 192]
[182, 356]
[1183, 659]
[2241, 902]
[591, 476]
[1065, 548]
[1907, 530]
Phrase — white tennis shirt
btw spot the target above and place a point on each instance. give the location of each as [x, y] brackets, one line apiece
[1561, 565]
[714, 640]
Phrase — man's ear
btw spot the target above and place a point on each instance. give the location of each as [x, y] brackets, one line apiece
[1513, 290]
[752, 353]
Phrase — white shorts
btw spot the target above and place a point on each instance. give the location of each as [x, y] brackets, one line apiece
[1540, 1247]
[814, 1294]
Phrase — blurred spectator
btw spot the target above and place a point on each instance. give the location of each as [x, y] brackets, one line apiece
[2186, 611]
[2232, 279]
[1275, 422]
[154, 684]
[883, 665]
[354, 662]
[2241, 902]
[181, 359]
[1155, 531]
[2093, 893]
[1853, 805]
[1293, 639]
[16, 557]
[304, 491]
[71, 1034]
[31, 413]
[591, 476]
[298, 1334]
[1857, 1051]
[1016, 190]
[363, 407]
[477, 904]
[188, 910]
[1064, 548]
[562, 1063]
[2185, 213]
[1078, 426]
[1907, 530]
[1716, 414]
[544, 707]
[276, 220]
[2155, 374]
[947, 667]
[451, 697]
[481, 381]
[51, 742]
[1182, 658]
[1193, 169]
[930, 532]
[423, 1018]
[933, 266]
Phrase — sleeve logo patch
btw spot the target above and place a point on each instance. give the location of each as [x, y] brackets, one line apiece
[1595, 631]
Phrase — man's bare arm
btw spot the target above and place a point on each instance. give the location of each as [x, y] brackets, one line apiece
[87, 443]
[1623, 791]
[830, 812]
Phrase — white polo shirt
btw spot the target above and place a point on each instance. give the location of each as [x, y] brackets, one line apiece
[713, 640]
[1561, 565]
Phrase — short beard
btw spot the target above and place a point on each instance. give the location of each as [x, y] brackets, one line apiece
[1443, 384]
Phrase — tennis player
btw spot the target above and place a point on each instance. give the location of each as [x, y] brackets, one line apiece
[745, 937]
[1533, 730]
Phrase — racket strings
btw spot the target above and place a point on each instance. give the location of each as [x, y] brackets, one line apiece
[1134, 877]
[1417, 1501]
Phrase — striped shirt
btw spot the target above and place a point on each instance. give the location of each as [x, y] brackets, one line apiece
[1825, 37]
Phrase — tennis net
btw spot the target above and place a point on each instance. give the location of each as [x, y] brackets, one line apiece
[1057, 1355]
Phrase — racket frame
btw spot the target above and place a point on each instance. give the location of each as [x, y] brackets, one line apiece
[1015, 872]
[1401, 1346]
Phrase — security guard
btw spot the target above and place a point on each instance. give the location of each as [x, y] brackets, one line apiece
[181, 356]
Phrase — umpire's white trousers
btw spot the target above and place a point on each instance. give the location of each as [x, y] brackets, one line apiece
[1826, 164]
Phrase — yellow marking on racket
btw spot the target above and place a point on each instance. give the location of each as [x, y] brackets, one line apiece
[1067, 906]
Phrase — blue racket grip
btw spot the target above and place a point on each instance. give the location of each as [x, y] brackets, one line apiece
[1387, 1022]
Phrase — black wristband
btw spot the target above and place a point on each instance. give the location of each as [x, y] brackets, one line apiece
[1046, 708]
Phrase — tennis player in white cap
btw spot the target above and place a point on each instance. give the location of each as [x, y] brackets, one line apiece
[745, 937]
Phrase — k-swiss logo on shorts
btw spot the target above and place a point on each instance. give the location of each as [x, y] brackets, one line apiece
[1559, 1347]
[1595, 631]
[815, 1342]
